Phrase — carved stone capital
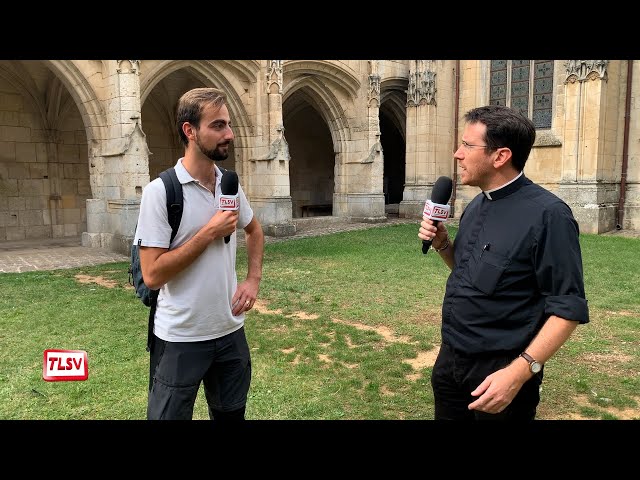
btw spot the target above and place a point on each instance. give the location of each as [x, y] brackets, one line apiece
[582, 70]
[422, 85]
[374, 90]
[133, 66]
[274, 75]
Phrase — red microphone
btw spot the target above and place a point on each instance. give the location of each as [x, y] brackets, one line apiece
[437, 209]
[229, 198]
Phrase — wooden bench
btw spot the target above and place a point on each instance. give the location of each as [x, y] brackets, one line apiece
[321, 208]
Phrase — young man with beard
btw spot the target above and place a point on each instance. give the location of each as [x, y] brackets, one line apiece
[516, 290]
[199, 320]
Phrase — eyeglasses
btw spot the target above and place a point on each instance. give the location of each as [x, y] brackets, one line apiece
[469, 145]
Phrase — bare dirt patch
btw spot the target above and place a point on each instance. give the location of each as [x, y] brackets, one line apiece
[586, 401]
[103, 282]
[261, 307]
[384, 332]
[350, 366]
[385, 392]
[424, 359]
[349, 342]
[622, 313]
[602, 358]
[610, 363]
[621, 413]
[421, 361]
[304, 316]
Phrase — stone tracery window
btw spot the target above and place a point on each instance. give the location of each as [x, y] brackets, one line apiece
[526, 85]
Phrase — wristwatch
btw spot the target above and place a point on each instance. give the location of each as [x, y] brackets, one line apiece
[534, 365]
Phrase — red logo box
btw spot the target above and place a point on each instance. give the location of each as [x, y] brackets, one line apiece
[229, 202]
[436, 211]
[65, 365]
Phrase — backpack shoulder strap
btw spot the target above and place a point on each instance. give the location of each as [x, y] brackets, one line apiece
[173, 188]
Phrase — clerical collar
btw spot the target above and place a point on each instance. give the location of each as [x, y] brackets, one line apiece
[506, 189]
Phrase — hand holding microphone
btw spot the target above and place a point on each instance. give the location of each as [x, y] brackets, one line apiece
[229, 198]
[437, 209]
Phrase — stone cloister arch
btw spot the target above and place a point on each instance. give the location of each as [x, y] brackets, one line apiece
[322, 134]
[86, 99]
[393, 120]
[50, 120]
[312, 164]
[338, 94]
[163, 84]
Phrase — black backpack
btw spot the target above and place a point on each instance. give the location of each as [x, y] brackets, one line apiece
[147, 296]
[173, 187]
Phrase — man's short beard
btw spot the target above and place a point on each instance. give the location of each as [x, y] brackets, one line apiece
[215, 154]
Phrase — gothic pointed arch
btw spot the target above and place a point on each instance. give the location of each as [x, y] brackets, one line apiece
[333, 73]
[86, 100]
[317, 93]
[393, 100]
[234, 77]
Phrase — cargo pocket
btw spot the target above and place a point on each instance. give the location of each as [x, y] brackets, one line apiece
[491, 266]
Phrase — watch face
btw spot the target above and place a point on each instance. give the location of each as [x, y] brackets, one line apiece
[535, 367]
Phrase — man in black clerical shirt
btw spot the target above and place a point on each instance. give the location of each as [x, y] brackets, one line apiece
[516, 290]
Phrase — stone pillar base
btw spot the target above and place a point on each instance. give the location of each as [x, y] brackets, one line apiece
[121, 244]
[410, 209]
[111, 224]
[593, 205]
[631, 208]
[92, 240]
[358, 206]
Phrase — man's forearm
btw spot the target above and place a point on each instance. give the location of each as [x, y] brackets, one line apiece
[255, 253]
[553, 334]
[447, 254]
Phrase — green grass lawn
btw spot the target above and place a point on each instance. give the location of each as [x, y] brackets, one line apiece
[346, 327]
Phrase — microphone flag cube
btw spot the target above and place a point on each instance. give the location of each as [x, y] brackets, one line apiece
[436, 211]
[229, 202]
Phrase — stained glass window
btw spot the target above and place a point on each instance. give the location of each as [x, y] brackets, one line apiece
[525, 85]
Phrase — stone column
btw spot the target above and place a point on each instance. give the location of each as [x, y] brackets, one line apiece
[630, 215]
[271, 195]
[119, 165]
[588, 183]
[428, 153]
[364, 200]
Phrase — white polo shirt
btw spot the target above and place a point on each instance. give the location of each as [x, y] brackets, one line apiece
[195, 305]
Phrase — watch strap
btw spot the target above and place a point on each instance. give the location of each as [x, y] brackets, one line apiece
[527, 357]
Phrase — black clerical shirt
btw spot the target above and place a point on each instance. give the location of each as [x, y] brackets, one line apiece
[517, 260]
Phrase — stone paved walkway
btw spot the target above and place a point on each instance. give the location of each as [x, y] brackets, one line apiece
[51, 254]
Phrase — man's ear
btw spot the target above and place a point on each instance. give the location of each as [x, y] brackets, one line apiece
[188, 130]
[503, 157]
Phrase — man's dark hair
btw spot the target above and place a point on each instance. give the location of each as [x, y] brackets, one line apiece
[191, 105]
[506, 127]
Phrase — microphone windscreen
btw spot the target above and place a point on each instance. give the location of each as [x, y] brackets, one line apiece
[441, 192]
[229, 183]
